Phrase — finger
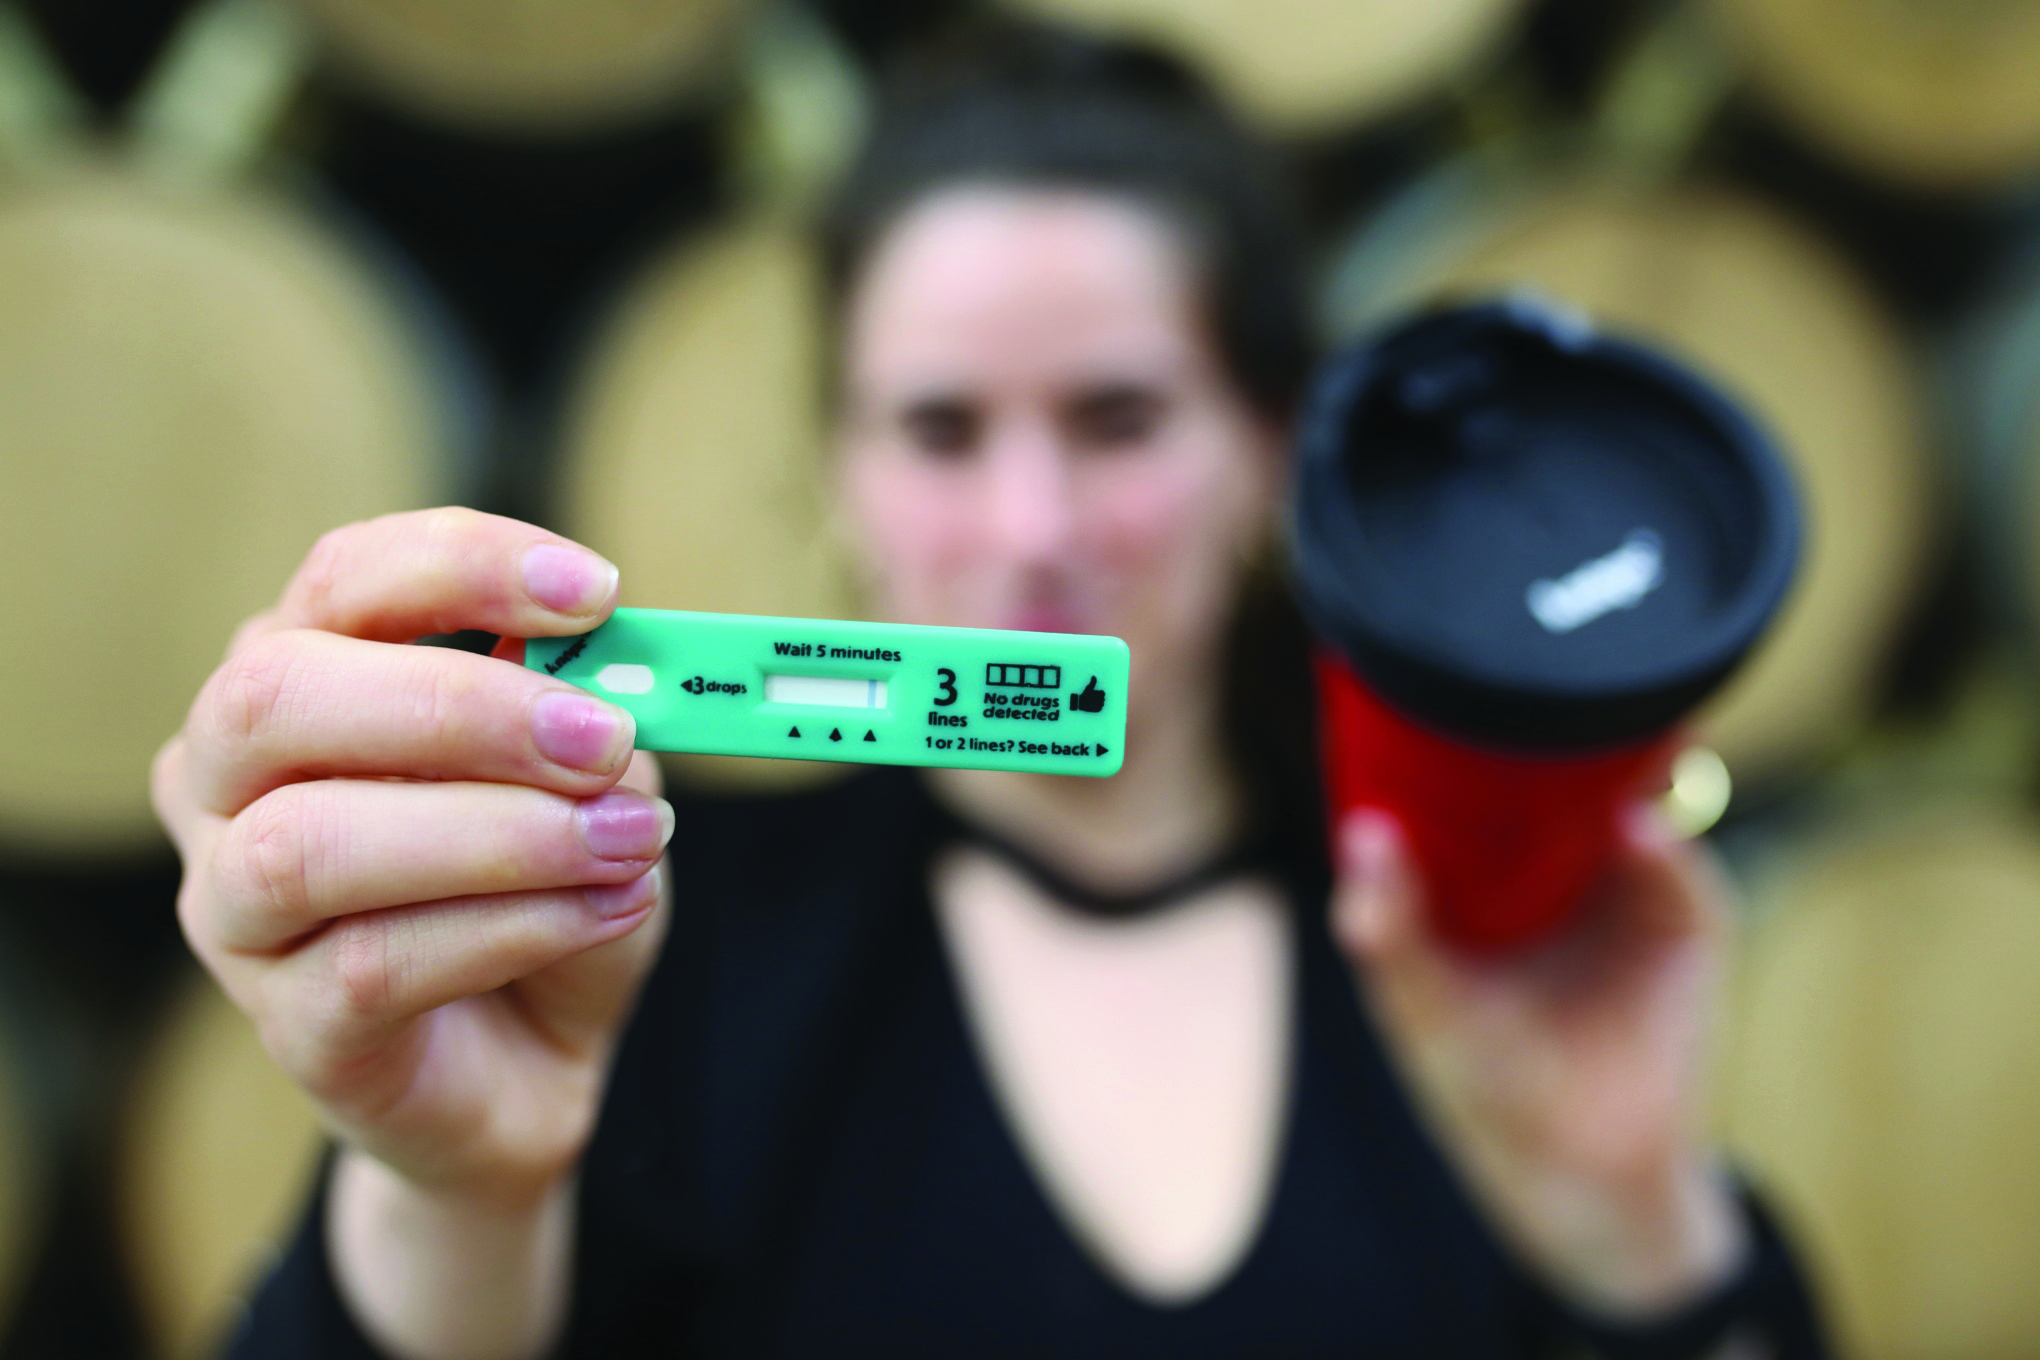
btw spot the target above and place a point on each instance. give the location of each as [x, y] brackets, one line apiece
[404, 576]
[1376, 909]
[308, 853]
[310, 705]
[170, 792]
[374, 972]
[253, 627]
[1413, 977]
[581, 997]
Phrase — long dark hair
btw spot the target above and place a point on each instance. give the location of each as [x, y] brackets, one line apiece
[1010, 104]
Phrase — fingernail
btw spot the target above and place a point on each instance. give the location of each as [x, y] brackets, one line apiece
[568, 580]
[620, 826]
[611, 900]
[580, 732]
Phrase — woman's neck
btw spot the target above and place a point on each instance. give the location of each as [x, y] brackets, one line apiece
[1174, 802]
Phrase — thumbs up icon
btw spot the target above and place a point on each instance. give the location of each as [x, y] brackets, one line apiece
[1092, 700]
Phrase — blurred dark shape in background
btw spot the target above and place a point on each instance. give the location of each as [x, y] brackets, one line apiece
[269, 265]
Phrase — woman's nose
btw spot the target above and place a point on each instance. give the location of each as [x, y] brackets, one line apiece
[1028, 508]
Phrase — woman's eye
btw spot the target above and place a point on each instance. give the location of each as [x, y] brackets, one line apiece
[949, 428]
[1116, 418]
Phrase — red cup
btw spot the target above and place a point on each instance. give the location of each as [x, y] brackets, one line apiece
[1528, 551]
[1508, 845]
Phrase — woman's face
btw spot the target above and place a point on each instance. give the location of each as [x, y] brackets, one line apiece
[1037, 432]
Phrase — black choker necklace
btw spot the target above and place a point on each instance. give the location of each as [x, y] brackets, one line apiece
[1245, 856]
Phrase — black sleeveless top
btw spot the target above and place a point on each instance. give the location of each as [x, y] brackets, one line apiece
[799, 1154]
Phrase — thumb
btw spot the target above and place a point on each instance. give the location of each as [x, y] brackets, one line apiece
[582, 998]
[1376, 903]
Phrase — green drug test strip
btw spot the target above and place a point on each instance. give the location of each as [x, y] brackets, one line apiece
[873, 693]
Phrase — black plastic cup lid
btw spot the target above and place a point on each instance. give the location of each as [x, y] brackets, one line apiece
[1534, 536]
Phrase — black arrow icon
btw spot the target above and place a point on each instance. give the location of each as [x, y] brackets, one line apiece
[1092, 700]
[835, 734]
[793, 731]
[868, 736]
[1102, 748]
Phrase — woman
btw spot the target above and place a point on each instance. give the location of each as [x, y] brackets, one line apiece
[967, 1064]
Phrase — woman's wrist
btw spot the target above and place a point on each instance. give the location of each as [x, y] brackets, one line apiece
[1635, 1250]
[432, 1273]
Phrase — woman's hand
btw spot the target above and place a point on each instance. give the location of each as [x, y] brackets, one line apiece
[1565, 1082]
[430, 877]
